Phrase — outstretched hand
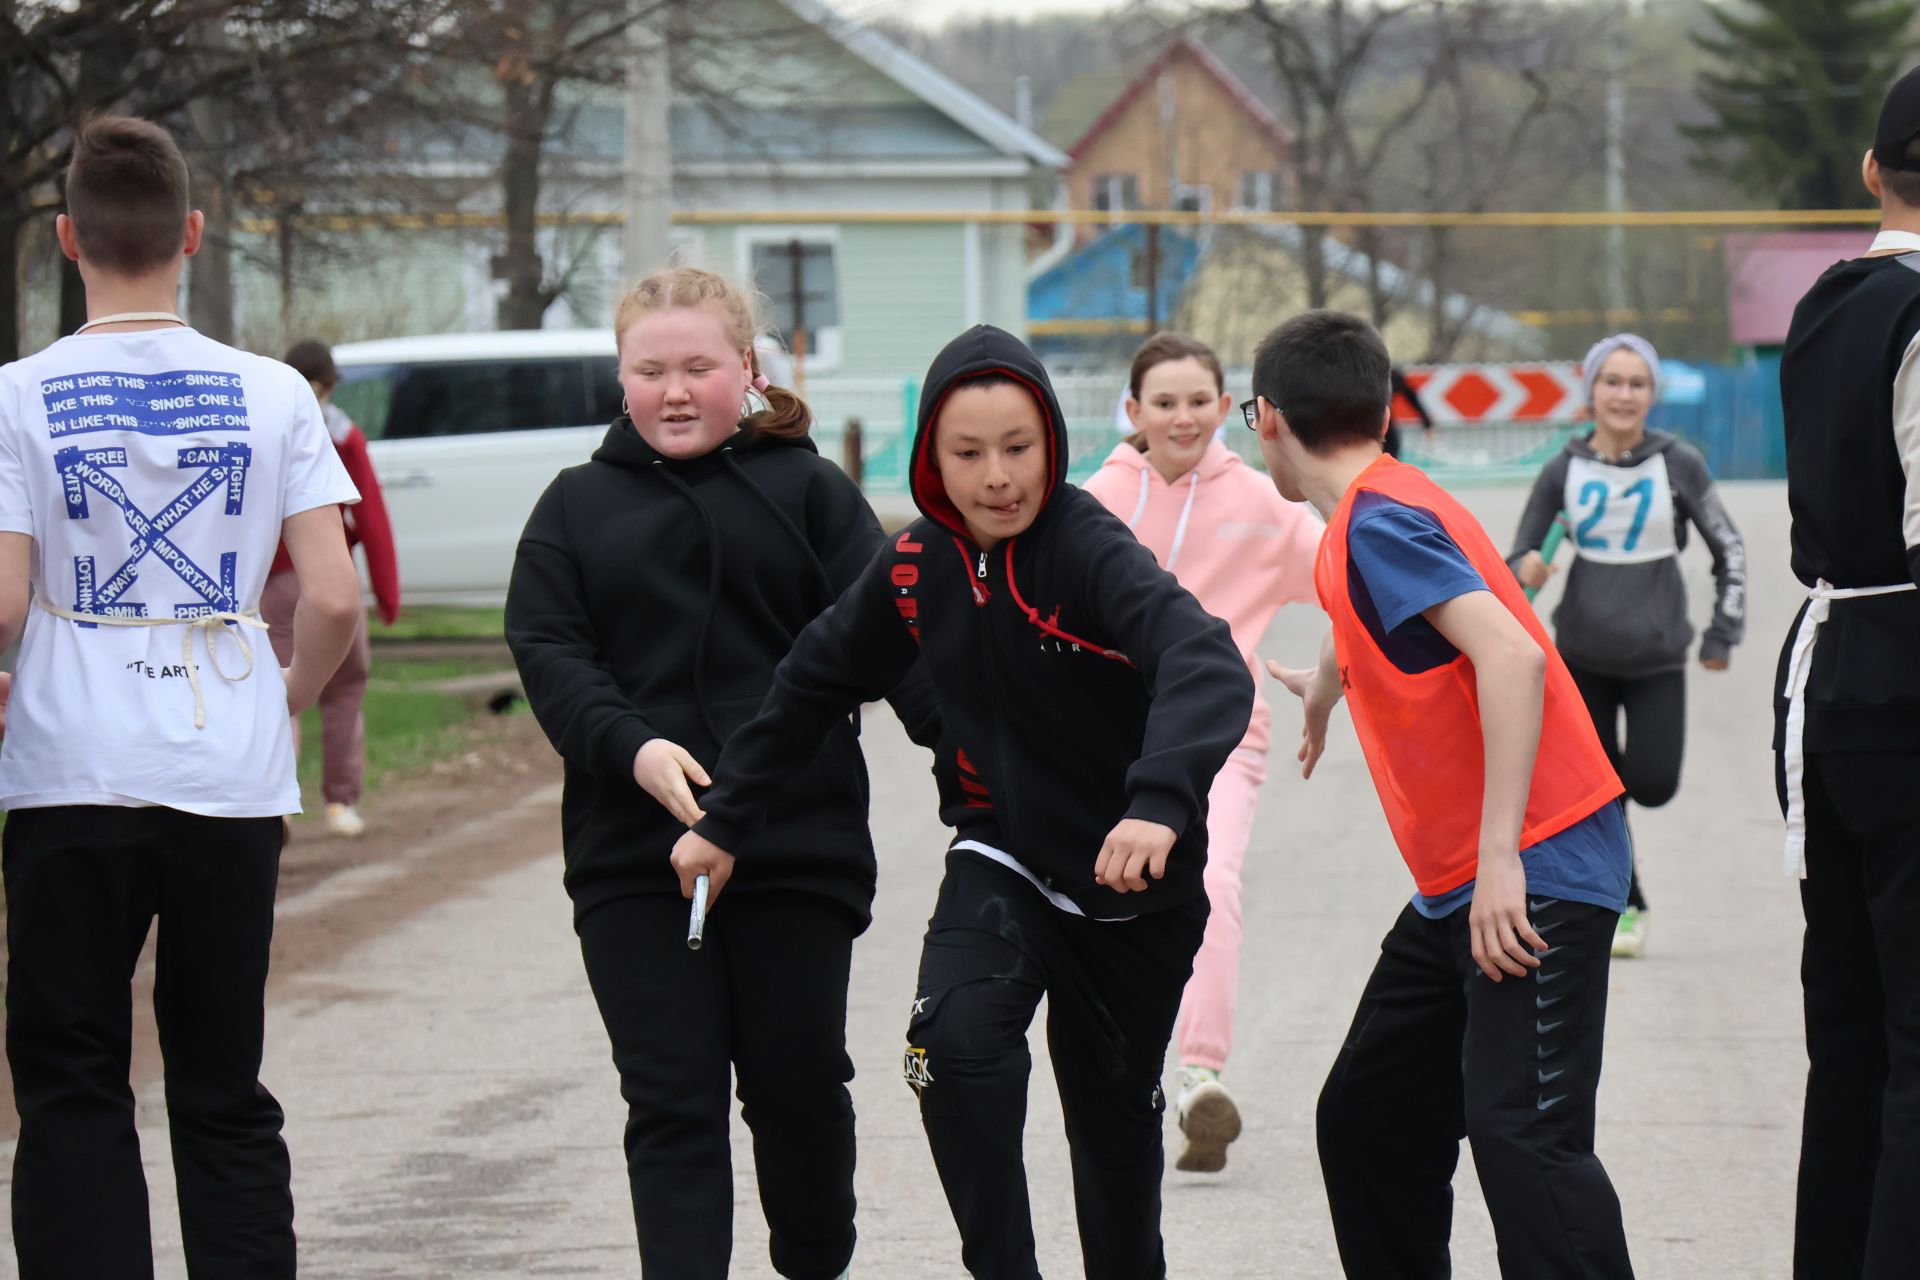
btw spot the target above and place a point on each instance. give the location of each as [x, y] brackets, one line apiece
[1311, 686]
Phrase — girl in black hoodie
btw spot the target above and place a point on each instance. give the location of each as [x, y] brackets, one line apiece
[654, 591]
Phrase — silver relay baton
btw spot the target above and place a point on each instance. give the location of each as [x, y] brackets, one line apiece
[697, 918]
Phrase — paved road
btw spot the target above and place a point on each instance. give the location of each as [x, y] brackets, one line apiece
[453, 1111]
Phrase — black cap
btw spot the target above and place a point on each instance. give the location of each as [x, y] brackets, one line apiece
[1899, 122]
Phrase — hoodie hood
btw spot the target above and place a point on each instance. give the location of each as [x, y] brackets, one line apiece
[1147, 484]
[1653, 442]
[981, 350]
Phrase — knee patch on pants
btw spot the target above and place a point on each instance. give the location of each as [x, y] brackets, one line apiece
[964, 1029]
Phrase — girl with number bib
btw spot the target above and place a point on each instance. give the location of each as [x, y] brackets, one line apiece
[654, 591]
[1629, 494]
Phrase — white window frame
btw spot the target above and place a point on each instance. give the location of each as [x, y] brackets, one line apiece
[1112, 186]
[1200, 192]
[1265, 184]
[827, 347]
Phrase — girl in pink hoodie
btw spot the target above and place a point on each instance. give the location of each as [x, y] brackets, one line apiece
[1220, 528]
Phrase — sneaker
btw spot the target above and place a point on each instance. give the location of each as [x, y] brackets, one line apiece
[1630, 935]
[345, 820]
[1208, 1121]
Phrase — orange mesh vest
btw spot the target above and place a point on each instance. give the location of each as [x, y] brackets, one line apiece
[1421, 733]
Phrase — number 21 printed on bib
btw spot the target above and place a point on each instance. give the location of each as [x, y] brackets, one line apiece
[1620, 515]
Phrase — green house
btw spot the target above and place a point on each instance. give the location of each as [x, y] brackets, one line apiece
[809, 114]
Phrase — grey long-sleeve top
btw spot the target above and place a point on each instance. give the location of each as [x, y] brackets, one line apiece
[1624, 611]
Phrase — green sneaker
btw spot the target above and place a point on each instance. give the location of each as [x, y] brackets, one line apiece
[1630, 935]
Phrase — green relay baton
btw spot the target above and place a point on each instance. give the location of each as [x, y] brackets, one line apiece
[1556, 535]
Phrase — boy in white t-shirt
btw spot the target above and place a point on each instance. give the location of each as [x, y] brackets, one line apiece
[146, 475]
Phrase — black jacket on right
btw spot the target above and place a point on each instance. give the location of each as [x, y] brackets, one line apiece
[1847, 489]
[1078, 683]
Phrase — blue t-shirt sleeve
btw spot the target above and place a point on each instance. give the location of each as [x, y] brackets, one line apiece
[1407, 561]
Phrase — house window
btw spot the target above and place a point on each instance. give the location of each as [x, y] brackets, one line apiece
[1116, 192]
[799, 276]
[1262, 191]
[1193, 198]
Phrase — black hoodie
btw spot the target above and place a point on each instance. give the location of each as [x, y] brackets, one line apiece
[1078, 682]
[652, 598]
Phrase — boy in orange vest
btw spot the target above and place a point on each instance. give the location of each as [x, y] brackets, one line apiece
[1484, 1016]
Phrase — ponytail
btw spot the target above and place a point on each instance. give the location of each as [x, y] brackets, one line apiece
[786, 416]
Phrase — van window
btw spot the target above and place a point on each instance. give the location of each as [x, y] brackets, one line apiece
[362, 394]
[452, 398]
[603, 387]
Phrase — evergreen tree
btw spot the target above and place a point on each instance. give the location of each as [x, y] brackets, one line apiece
[1797, 93]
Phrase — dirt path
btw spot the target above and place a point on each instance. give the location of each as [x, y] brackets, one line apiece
[433, 833]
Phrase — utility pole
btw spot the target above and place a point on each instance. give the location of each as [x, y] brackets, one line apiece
[649, 149]
[1617, 162]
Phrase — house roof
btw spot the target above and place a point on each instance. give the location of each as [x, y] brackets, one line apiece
[920, 79]
[1079, 102]
[1185, 47]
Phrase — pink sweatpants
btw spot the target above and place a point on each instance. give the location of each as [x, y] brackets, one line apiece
[343, 729]
[1206, 1011]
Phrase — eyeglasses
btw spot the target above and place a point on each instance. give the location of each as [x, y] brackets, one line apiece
[1250, 410]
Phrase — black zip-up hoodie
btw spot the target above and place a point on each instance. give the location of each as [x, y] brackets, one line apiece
[1078, 682]
[653, 598]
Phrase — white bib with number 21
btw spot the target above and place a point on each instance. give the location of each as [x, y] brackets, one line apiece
[1620, 515]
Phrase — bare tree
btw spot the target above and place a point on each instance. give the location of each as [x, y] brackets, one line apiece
[63, 60]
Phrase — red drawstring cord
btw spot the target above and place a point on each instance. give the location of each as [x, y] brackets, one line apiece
[1047, 626]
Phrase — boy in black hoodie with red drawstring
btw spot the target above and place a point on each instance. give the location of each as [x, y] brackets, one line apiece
[1087, 701]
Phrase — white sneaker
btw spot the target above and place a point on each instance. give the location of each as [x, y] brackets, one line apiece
[345, 820]
[1209, 1120]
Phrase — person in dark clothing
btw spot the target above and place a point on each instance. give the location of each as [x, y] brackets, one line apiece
[1629, 494]
[1087, 702]
[1404, 391]
[1847, 725]
[654, 590]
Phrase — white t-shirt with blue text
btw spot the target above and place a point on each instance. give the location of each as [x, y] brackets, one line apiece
[153, 471]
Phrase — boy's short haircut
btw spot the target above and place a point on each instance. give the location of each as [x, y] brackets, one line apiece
[126, 192]
[1329, 373]
[313, 360]
[1903, 184]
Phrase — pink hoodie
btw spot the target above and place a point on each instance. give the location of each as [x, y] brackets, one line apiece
[1226, 533]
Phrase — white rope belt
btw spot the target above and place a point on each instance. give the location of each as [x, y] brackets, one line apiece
[1794, 760]
[213, 624]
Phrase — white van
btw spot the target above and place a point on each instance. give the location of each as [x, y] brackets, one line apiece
[466, 431]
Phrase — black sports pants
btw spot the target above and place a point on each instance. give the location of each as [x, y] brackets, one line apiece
[84, 884]
[994, 946]
[1648, 759]
[1860, 976]
[1438, 1052]
[767, 995]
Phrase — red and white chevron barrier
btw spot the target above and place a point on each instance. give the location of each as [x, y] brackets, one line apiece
[1481, 393]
